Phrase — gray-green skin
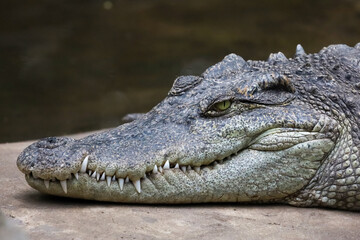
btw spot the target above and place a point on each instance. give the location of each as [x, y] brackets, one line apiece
[290, 135]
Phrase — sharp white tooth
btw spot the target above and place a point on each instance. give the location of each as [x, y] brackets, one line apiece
[103, 176]
[160, 169]
[84, 164]
[176, 166]
[76, 176]
[108, 180]
[121, 183]
[197, 169]
[64, 185]
[183, 168]
[90, 172]
[94, 174]
[97, 176]
[189, 168]
[47, 183]
[166, 165]
[137, 186]
[126, 179]
[113, 178]
[155, 170]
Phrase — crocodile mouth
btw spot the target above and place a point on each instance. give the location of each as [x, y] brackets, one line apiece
[112, 179]
[270, 140]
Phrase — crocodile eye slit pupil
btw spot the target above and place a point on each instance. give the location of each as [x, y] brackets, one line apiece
[222, 106]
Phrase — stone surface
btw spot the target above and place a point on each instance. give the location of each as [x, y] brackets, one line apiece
[47, 217]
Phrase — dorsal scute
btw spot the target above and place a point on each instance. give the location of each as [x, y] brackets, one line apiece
[277, 57]
[231, 63]
[299, 51]
[357, 46]
[348, 56]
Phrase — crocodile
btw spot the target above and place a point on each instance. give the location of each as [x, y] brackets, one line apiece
[284, 130]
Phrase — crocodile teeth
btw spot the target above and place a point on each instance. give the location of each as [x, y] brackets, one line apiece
[121, 183]
[108, 180]
[183, 168]
[97, 176]
[197, 169]
[47, 183]
[155, 170]
[84, 164]
[166, 165]
[102, 176]
[94, 174]
[189, 168]
[176, 166]
[127, 179]
[90, 172]
[137, 186]
[160, 169]
[76, 176]
[64, 186]
[113, 178]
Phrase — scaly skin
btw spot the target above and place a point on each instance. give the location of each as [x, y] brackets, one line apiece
[283, 130]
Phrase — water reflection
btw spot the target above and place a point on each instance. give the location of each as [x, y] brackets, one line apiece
[70, 66]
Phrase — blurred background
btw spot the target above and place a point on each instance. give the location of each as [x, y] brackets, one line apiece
[74, 66]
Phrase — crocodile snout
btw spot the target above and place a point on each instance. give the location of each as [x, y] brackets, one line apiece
[52, 142]
[52, 157]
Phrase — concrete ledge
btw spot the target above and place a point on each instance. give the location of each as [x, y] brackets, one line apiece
[47, 217]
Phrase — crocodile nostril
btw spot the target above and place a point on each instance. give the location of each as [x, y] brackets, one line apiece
[52, 142]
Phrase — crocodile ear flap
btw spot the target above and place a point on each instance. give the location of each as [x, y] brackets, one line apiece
[230, 64]
[270, 89]
[276, 81]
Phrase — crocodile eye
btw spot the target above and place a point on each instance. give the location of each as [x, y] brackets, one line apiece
[222, 106]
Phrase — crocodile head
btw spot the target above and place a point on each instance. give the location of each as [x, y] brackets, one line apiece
[281, 130]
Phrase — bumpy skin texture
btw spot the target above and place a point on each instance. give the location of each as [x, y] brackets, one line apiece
[281, 130]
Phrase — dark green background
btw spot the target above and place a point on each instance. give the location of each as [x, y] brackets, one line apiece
[71, 66]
